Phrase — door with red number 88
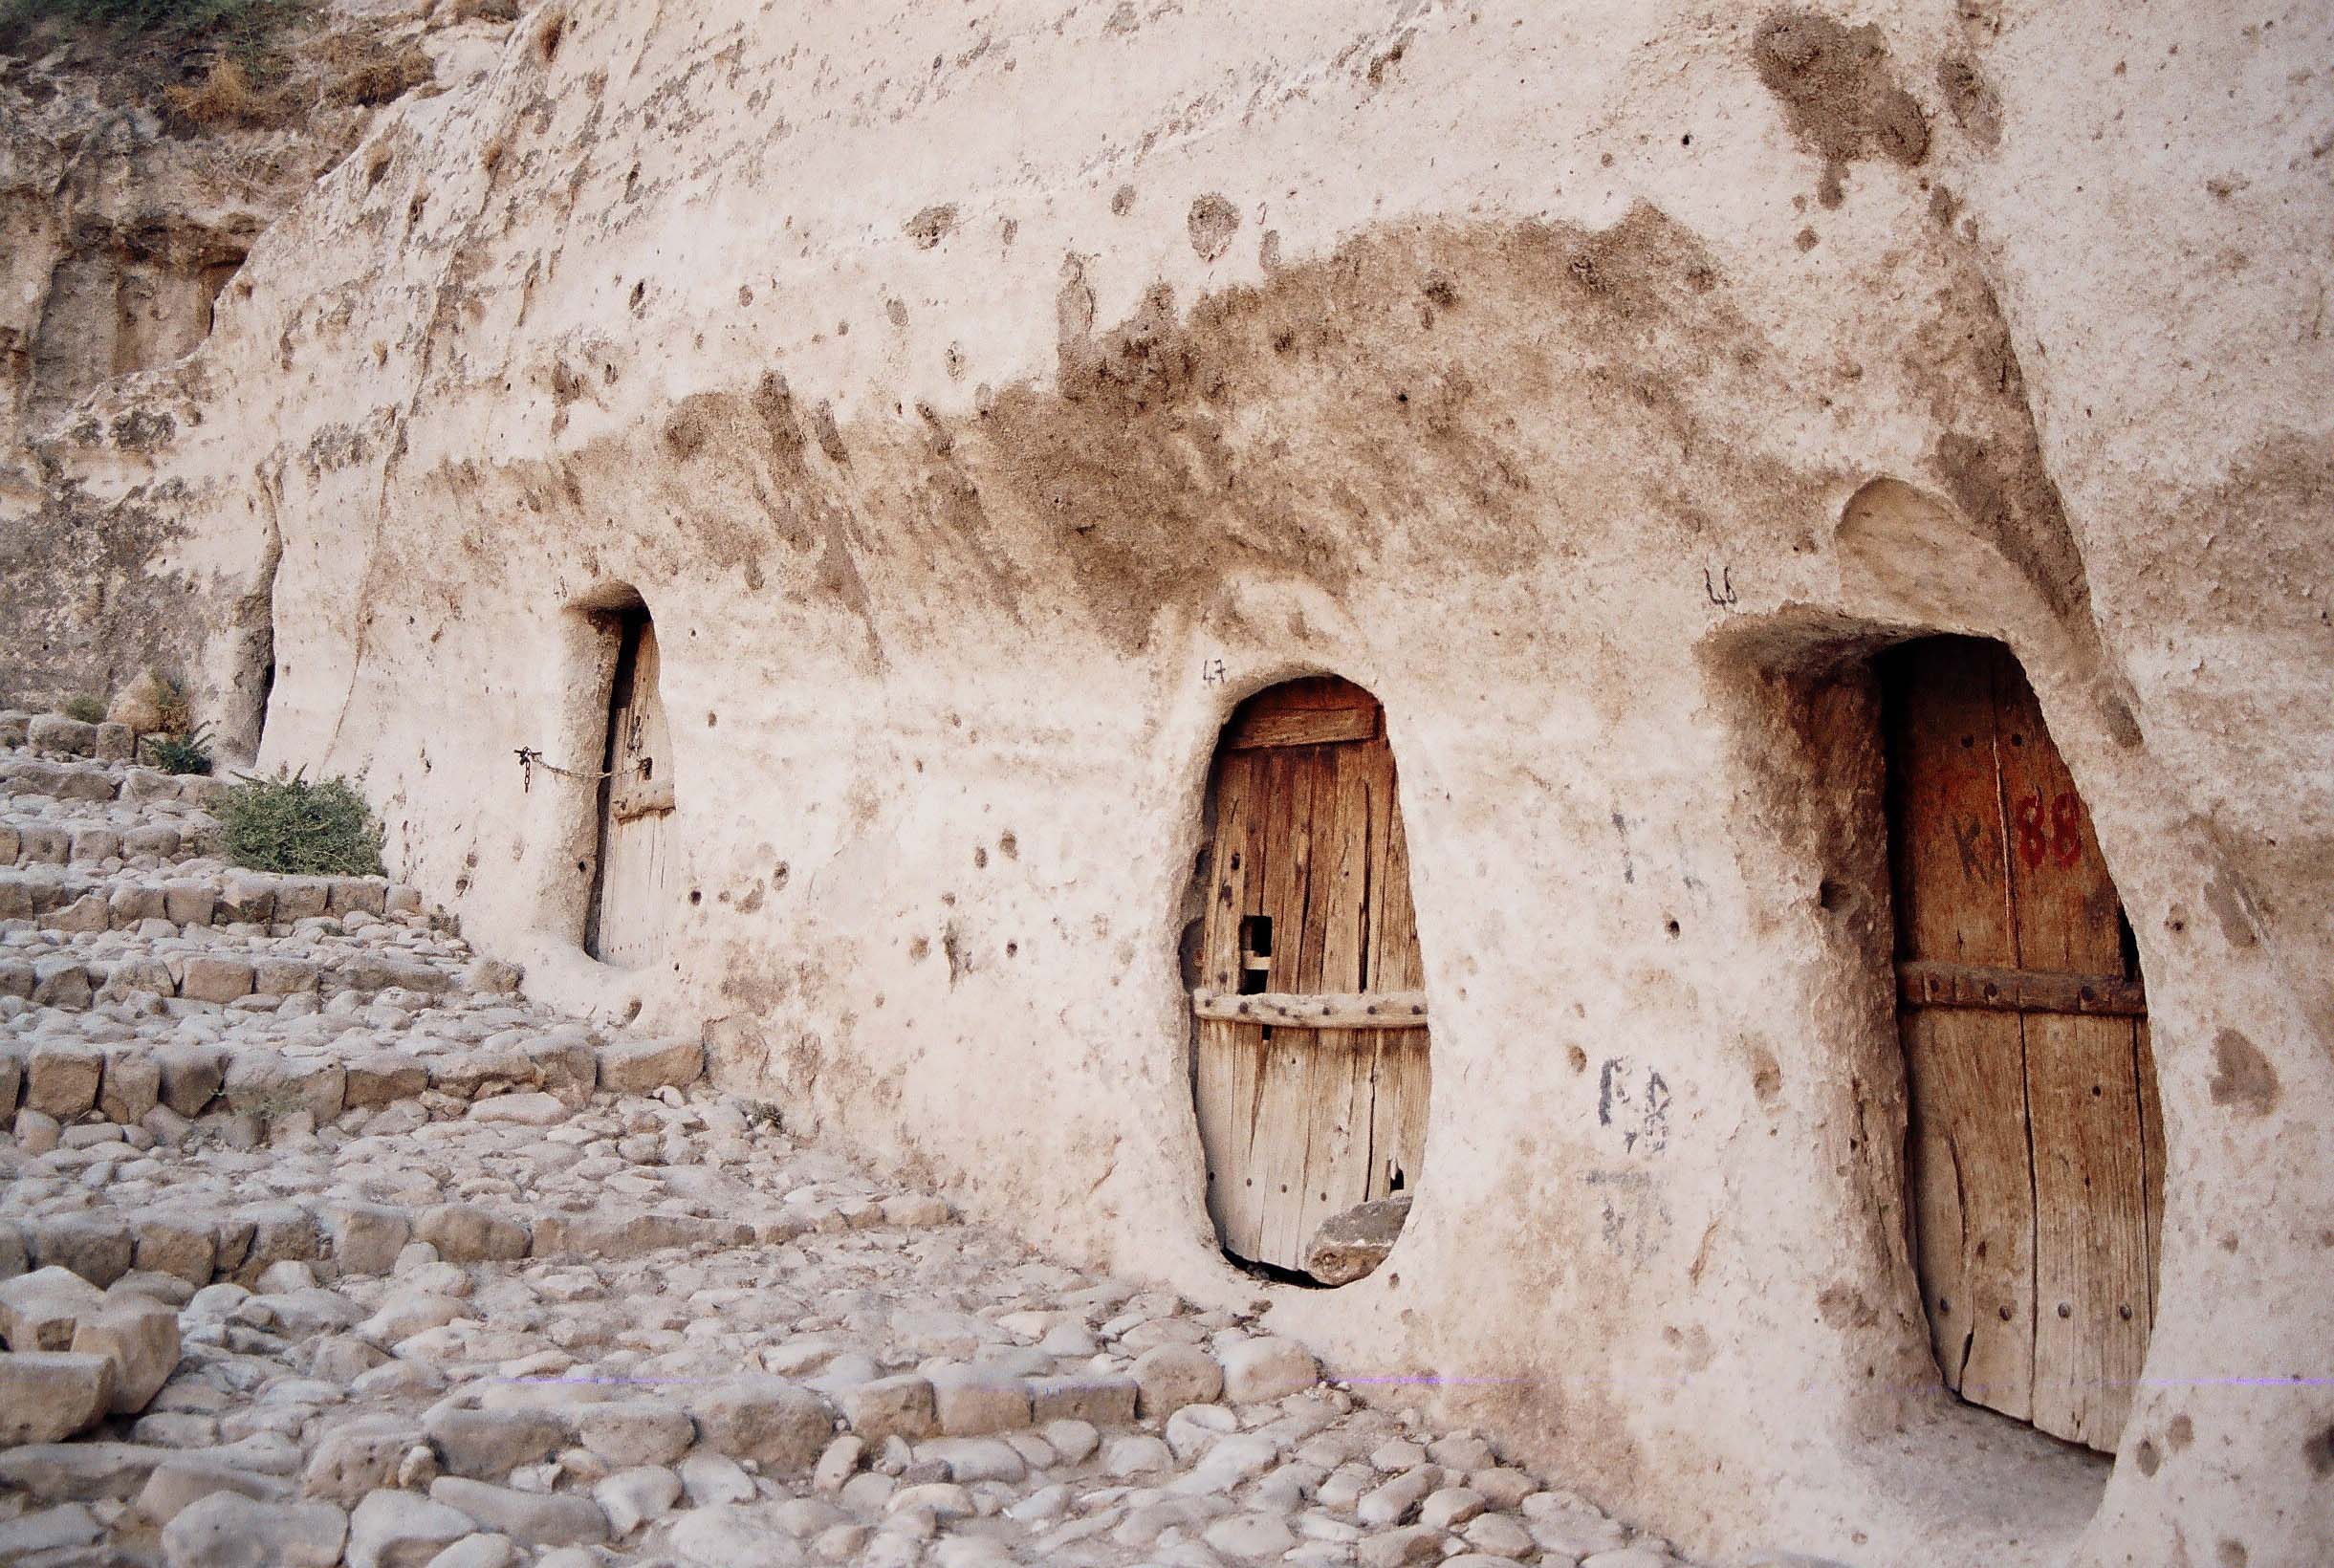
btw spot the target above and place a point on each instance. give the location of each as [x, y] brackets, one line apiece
[2033, 1150]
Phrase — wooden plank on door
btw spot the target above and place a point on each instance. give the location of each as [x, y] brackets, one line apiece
[1319, 1011]
[1284, 1111]
[1277, 1125]
[2151, 1154]
[1405, 1079]
[1338, 1141]
[1967, 1164]
[1968, 1160]
[1302, 727]
[637, 846]
[1924, 982]
[1230, 1054]
[641, 780]
[2090, 1226]
[2083, 1093]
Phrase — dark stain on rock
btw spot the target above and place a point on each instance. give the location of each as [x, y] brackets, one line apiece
[774, 401]
[2180, 1432]
[684, 433]
[88, 599]
[1211, 223]
[2317, 1452]
[2123, 723]
[2241, 1076]
[1149, 467]
[142, 430]
[1840, 96]
[829, 434]
[2229, 907]
[929, 227]
[1845, 1307]
[1971, 100]
[2147, 1457]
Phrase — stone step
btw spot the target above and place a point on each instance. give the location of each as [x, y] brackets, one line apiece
[63, 902]
[114, 841]
[73, 982]
[69, 1086]
[33, 778]
[201, 1245]
[57, 734]
[65, 780]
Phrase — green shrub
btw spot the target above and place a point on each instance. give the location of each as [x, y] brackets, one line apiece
[163, 45]
[236, 23]
[287, 824]
[187, 753]
[86, 709]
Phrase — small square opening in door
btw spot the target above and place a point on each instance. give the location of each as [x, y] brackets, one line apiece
[1255, 954]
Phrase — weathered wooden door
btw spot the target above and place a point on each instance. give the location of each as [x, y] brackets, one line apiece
[1308, 1105]
[630, 904]
[2036, 1149]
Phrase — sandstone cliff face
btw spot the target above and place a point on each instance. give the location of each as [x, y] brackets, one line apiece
[983, 401]
[128, 201]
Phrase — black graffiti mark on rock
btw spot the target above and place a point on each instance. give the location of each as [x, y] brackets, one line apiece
[1632, 1218]
[1721, 593]
[1640, 1113]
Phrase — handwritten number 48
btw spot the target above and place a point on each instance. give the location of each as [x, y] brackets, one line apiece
[2052, 836]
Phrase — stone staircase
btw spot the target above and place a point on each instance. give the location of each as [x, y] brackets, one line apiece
[319, 1245]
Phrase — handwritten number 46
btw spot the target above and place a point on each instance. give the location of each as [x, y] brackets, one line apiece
[2052, 836]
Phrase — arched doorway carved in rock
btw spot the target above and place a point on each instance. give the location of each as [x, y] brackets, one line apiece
[2036, 1151]
[1312, 1076]
[631, 904]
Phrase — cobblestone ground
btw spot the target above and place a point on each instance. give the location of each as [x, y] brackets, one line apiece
[319, 1245]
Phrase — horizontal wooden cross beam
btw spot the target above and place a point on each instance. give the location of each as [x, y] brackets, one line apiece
[1314, 1009]
[1922, 982]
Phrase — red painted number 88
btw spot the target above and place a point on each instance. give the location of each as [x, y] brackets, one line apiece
[2059, 839]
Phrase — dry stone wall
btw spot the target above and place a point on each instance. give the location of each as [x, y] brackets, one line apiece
[983, 403]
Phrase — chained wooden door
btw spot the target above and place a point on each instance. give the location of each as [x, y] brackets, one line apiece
[1309, 1104]
[631, 902]
[2036, 1149]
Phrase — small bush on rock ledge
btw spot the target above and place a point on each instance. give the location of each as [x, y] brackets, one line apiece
[86, 709]
[187, 754]
[288, 824]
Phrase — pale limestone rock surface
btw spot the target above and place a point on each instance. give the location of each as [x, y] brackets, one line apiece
[984, 405]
